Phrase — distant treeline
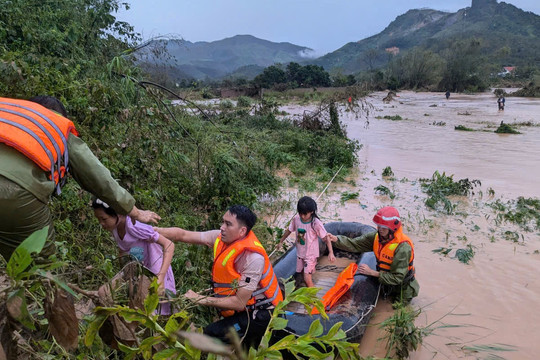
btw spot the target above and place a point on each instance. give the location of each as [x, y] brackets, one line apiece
[461, 67]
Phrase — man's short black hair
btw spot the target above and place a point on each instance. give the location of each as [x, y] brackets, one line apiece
[244, 215]
[51, 103]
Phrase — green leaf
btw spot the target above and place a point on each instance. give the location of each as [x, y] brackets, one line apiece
[152, 300]
[150, 341]
[168, 354]
[126, 349]
[278, 323]
[21, 257]
[132, 315]
[172, 325]
[273, 355]
[316, 329]
[289, 288]
[35, 242]
[334, 330]
[93, 329]
[19, 261]
[309, 351]
[17, 308]
[57, 281]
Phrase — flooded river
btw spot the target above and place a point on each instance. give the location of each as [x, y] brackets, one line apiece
[495, 299]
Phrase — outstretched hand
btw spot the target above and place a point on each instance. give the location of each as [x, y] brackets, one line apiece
[145, 216]
[193, 296]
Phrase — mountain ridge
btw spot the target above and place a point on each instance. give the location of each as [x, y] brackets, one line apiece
[496, 25]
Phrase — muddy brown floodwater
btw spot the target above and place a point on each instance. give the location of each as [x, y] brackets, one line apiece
[495, 300]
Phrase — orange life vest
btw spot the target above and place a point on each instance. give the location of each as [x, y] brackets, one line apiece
[224, 274]
[39, 133]
[385, 253]
[343, 283]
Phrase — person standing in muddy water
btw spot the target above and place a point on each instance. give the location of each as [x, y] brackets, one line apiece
[500, 102]
[39, 145]
[394, 252]
[246, 290]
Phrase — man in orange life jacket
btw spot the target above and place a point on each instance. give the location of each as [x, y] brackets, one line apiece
[245, 286]
[394, 252]
[38, 147]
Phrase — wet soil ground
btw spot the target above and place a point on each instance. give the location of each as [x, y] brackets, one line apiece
[494, 300]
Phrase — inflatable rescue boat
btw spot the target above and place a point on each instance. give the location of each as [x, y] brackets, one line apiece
[355, 307]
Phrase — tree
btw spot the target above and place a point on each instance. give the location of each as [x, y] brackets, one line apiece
[270, 76]
[50, 43]
[462, 66]
[421, 68]
[370, 57]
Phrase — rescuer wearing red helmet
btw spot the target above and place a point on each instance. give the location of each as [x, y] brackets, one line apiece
[394, 252]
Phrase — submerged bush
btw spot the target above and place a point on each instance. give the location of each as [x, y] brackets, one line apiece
[440, 186]
[401, 334]
[524, 212]
[462, 128]
[390, 117]
[387, 171]
[506, 129]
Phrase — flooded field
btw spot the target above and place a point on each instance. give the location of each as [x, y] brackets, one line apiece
[494, 300]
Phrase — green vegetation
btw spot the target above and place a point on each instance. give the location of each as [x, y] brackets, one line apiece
[531, 89]
[462, 128]
[181, 344]
[390, 117]
[440, 186]
[491, 349]
[524, 212]
[243, 102]
[381, 189]
[295, 75]
[464, 255]
[346, 196]
[402, 335]
[506, 129]
[499, 92]
[387, 171]
[467, 56]
[145, 329]
[187, 162]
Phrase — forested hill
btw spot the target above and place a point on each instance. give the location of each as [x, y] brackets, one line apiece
[507, 35]
[218, 58]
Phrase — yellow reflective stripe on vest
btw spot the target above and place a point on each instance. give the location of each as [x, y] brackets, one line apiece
[231, 253]
[256, 243]
[215, 247]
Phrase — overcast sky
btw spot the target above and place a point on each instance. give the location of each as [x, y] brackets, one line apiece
[323, 25]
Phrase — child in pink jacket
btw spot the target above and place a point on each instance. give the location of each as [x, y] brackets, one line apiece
[308, 228]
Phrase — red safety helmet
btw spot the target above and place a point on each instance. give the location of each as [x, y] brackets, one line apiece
[388, 217]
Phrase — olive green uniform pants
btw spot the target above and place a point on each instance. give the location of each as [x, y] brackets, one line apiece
[21, 214]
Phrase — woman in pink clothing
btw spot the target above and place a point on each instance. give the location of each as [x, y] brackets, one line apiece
[142, 242]
[308, 228]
